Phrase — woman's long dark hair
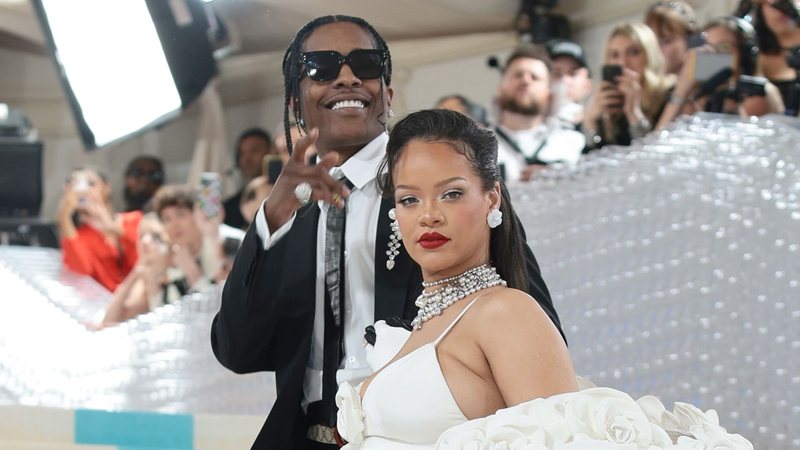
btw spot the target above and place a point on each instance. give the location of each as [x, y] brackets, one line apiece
[292, 67]
[479, 146]
[767, 41]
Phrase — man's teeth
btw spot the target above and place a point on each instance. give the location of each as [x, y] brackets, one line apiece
[348, 104]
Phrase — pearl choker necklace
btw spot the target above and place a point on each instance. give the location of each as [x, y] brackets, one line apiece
[455, 288]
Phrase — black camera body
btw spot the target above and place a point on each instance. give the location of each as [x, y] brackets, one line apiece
[750, 86]
[793, 58]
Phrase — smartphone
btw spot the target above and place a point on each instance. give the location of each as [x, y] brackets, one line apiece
[271, 166]
[748, 86]
[611, 72]
[695, 40]
[80, 185]
[709, 64]
[209, 198]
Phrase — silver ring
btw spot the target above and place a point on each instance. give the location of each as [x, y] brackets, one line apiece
[303, 193]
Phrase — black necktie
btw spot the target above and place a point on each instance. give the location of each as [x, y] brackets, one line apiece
[334, 306]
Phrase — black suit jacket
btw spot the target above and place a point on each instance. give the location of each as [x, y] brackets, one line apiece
[266, 319]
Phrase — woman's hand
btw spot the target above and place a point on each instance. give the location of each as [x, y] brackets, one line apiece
[282, 200]
[628, 84]
[605, 100]
[680, 102]
[183, 259]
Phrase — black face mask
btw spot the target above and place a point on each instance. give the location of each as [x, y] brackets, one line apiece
[135, 201]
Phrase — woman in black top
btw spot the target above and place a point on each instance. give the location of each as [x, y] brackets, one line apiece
[777, 26]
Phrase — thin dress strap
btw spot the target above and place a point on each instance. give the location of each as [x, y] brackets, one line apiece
[455, 321]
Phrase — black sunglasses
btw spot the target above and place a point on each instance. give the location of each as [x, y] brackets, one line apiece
[325, 65]
[155, 177]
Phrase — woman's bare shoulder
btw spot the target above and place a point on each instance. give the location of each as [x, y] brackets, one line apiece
[509, 303]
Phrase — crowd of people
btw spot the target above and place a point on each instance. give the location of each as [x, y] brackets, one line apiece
[653, 71]
[429, 194]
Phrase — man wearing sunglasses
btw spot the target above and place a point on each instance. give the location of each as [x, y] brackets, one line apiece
[143, 176]
[281, 310]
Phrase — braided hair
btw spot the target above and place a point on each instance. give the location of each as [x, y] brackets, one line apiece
[292, 68]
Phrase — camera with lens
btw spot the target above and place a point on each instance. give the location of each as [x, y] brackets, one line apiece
[750, 86]
[793, 58]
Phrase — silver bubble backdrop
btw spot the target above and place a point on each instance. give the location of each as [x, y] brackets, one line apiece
[161, 361]
[675, 267]
[674, 264]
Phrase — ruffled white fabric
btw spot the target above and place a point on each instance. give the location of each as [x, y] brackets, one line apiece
[350, 418]
[595, 418]
[388, 342]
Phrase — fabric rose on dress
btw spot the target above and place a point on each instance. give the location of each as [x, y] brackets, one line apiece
[704, 428]
[659, 416]
[593, 419]
[537, 424]
[594, 445]
[609, 415]
[350, 418]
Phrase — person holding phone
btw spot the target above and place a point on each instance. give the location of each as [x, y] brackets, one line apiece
[196, 236]
[633, 92]
[95, 240]
[148, 285]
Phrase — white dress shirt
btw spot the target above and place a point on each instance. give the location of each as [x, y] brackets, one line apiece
[363, 207]
[557, 145]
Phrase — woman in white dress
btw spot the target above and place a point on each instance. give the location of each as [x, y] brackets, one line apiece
[481, 350]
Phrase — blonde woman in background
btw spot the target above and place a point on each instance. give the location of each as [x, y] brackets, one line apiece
[626, 107]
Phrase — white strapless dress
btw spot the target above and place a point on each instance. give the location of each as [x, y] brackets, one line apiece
[408, 406]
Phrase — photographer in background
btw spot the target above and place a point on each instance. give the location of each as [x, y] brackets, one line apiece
[722, 76]
[95, 241]
[777, 25]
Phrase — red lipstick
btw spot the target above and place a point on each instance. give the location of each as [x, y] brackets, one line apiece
[433, 240]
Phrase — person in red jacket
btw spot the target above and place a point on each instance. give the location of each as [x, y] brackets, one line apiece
[94, 240]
